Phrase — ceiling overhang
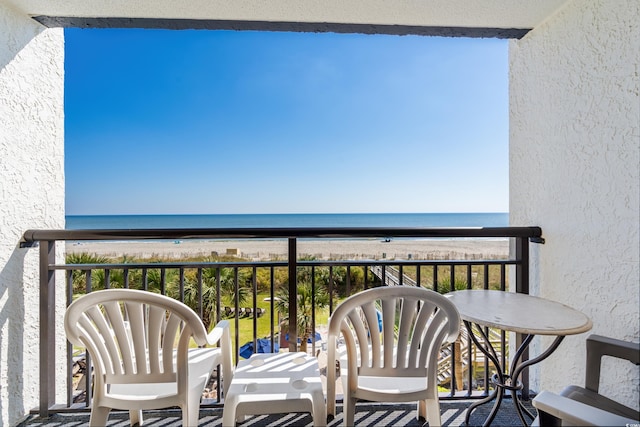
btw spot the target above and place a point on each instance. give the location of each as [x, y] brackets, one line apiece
[315, 27]
[456, 18]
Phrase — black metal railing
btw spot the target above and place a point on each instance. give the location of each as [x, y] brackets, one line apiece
[191, 281]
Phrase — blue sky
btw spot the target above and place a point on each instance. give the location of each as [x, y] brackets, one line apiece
[206, 122]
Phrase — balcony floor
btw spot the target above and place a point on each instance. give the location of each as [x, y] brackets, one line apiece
[367, 414]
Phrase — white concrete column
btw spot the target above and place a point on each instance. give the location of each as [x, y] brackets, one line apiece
[31, 196]
[574, 171]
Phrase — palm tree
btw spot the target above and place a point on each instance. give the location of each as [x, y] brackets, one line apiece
[228, 290]
[309, 297]
[79, 277]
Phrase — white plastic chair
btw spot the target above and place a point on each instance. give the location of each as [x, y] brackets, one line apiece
[395, 363]
[139, 343]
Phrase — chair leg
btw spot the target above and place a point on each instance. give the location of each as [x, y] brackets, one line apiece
[228, 417]
[99, 416]
[422, 409]
[349, 410]
[135, 417]
[433, 412]
[319, 408]
[191, 411]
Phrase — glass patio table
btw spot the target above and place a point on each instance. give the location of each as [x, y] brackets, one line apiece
[520, 313]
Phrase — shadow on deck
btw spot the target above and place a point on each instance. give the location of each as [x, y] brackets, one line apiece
[367, 414]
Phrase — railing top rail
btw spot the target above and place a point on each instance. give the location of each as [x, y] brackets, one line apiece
[30, 236]
[284, 263]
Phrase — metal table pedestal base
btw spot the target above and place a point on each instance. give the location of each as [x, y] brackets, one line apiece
[502, 380]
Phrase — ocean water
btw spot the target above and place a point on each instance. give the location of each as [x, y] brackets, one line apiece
[449, 220]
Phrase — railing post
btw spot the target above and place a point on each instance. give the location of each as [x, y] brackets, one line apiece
[522, 287]
[293, 294]
[522, 265]
[47, 327]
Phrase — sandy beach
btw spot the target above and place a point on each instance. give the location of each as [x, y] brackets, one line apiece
[321, 249]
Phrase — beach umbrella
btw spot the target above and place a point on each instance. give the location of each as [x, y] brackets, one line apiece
[263, 344]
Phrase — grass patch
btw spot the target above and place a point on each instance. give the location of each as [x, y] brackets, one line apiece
[263, 323]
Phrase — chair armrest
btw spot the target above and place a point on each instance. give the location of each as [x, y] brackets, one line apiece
[599, 346]
[217, 332]
[576, 413]
[222, 333]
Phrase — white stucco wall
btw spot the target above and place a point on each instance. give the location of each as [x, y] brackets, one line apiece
[31, 194]
[574, 171]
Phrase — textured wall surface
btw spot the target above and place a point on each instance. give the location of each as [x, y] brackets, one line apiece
[31, 194]
[574, 171]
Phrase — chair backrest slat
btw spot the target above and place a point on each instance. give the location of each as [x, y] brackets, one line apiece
[155, 328]
[406, 328]
[371, 340]
[419, 339]
[169, 341]
[357, 329]
[388, 331]
[136, 313]
[123, 355]
[91, 323]
[436, 332]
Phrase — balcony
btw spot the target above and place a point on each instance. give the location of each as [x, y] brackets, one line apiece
[248, 290]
